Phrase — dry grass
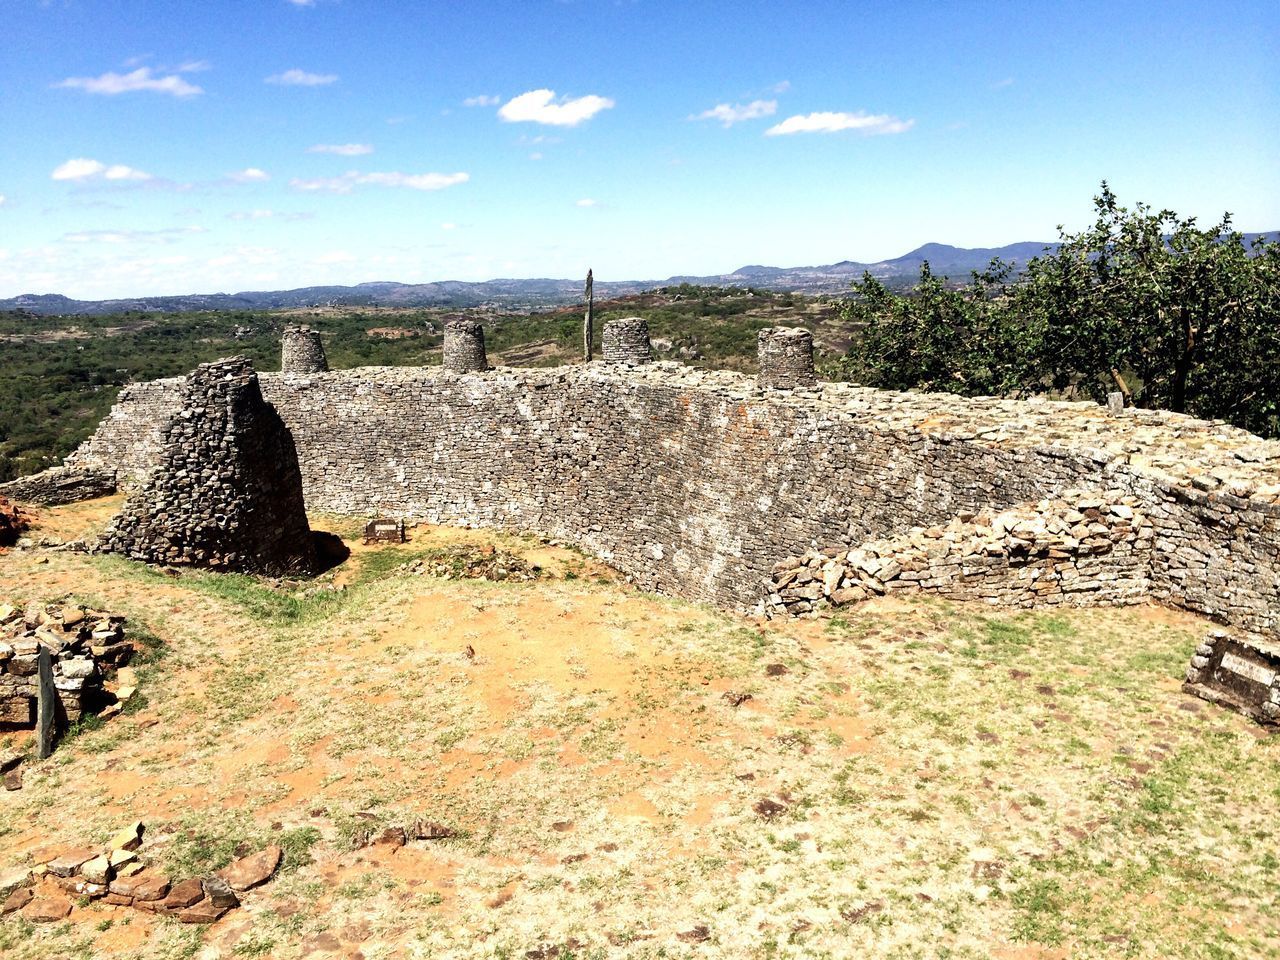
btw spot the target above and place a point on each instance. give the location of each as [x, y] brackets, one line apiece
[941, 780]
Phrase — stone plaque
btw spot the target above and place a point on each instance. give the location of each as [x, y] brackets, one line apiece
[384, 531]
[1239, 672]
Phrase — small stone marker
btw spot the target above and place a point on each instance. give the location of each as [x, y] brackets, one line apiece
[1115, 403]
[384, 531]
[1239, 672]
[46, 699]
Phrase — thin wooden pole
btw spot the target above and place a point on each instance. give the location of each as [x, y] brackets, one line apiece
[588, 322]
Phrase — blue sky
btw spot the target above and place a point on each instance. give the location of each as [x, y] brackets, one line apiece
[175, 147]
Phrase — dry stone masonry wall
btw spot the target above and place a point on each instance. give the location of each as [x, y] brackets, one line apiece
[697, 483]
[226, 492]
[62, 485]
[1080, 549]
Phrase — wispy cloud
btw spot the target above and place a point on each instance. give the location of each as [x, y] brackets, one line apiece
[144, 78]
[301, 78]
[242, 215]
[249, 175]
[349, 181]
[586, 202]
[303, 3]
[167, 235]
[342, 149]
[83, 169]
[3, 199]
[730, 113]
[781, 86]
[868, 124]
[1001, 84]
[482, 101]
[541, 106]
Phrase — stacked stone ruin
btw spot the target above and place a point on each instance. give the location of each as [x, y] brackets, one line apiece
[709, 484]
[83, 646]
[226, 490]
[464, 346]
[785, 355]
[302, 352]
[626, 340]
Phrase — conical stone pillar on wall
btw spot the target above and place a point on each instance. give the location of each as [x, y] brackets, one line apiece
[226, 491]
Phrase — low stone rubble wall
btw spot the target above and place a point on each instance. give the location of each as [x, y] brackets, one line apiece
[65, 484]
[1080, 549]
[83, 645]
[119, 875]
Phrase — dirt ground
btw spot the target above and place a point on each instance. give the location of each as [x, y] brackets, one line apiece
[626, 775]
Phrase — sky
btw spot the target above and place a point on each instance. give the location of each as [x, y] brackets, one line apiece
[151, 148]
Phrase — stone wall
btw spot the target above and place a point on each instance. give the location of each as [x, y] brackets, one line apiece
[64, 484]
[1078, 549]
[129, 440]
[696, 483]
[226, 490]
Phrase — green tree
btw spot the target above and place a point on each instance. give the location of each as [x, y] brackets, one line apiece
[1178, 317]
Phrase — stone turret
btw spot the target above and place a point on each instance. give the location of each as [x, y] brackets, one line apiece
[627, 341]
[302, 352]
[464, 346]
[786, 358]
[226, 490]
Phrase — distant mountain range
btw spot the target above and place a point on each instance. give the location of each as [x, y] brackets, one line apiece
[832, 278]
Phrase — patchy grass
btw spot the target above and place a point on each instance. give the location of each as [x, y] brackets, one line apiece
[910, 779]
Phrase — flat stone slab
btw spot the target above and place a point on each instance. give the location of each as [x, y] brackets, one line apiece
[48, 910]
[253, 870]
[69, 863]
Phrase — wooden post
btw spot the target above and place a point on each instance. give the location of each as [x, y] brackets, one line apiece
[46, 703]
[588, 321]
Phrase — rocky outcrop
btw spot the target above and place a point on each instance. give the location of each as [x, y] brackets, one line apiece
[226, 492]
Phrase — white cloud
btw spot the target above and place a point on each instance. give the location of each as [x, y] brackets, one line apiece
[242, 215]
[111, 84]
[249, 175]
[303, 3]
[2, 199]
[349, 181]
[482, 101]
[342, 149]
[865, 123]
[301, 78]
[168, 235]
[540, 106]
[448, 226]
[781, 86]
[729, 114]
[192, 66]
[83, 169]
[586, 202]
[536, 155]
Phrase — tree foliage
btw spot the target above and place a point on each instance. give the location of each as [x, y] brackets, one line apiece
[1175, 316]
